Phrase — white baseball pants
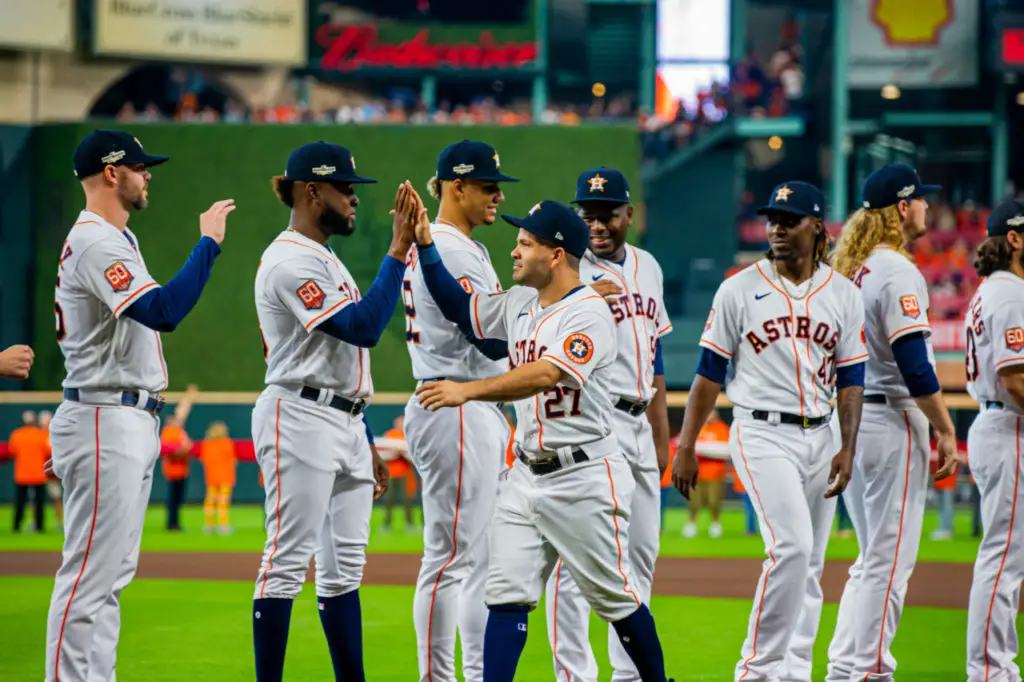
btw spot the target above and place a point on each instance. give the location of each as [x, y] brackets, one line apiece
[105, 457]
[994, 445]
[459, 453]
[886, 499]
[568, 613]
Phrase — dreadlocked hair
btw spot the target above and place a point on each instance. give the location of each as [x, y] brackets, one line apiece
[863, 231]
[995, 253]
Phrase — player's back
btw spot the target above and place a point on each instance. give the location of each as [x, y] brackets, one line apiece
[101, 273]
[895, 304]
[639, 316]
[299, 284]
[993, 337]
[436, 346]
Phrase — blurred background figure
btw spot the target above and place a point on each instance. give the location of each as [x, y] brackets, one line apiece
[217, 453]
[175, 448]
[712, 454]
[53, 486]
[845, 524]
[392, 450]
[945, 497]
[29, 446]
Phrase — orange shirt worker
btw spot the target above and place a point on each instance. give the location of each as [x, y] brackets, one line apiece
[217, 453]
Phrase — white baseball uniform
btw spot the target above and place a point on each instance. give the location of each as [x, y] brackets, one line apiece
[994, 326]
[786, 343]
[889, 483]
[314, 455]
[571, 424]
[640, 320]
[459, 466]
[103, 451]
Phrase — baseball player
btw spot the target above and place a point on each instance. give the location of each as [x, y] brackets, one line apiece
[889, 483]
[994, 327]
[639, 420]
[562, 346]
[104, 436]
[794, 333]
[459, 470]
[314, 448]
[15, 362]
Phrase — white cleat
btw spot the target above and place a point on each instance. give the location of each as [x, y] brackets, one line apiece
[715, 530]
[690, 530]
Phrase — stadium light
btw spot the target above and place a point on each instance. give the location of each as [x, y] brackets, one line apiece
[775, 143]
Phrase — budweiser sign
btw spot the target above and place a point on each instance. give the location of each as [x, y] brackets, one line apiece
[348, 48]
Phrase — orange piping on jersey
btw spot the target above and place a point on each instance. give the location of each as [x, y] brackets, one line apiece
[453, 232]
[85, 558]
[554, 627]
[664, 330]
[899, 539]
[906, 329]
[86, 222]
[796, 354]
[641, 373]
[277, 476]
[476, 316]
[455, 547]
[632, 318]
[840, 363]
[567, 368]
[1002, 563]
[807, 311]
[315, 250]
[717, 348]
[327, 312]
[771, 552]
[135, 294]
[160, 356]
[1007, 361]
[359, 385]
[536, 333]
[618, 543]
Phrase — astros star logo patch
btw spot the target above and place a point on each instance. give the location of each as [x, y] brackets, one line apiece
[579, 348]
[597, 183]
[782, 193]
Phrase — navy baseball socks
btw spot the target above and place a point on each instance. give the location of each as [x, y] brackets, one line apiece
[504, 640]
[341, 618]
[640, 640]
[270, 620]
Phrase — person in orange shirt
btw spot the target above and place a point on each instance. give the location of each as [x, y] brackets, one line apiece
[396, 455]
[175, 446]
[53, 486]
[710, 490]
[29, 445]
[217, 453]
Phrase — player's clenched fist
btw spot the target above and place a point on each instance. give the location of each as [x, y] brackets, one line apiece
[213, 222]
[15, 362]
[685, 470]
[437, 394]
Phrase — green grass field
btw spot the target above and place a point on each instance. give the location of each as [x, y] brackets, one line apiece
[247, 522]
[197, 630]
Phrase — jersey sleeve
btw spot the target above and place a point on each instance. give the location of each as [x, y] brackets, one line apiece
[490, 314]
[903, 303]
[585, 340]
[467, 266]
[303, 285]
[1008, 334]
[112, 270]
[722, 328]
[853, 343]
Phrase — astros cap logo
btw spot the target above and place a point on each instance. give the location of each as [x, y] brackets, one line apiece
[597, 183]
[497, 161]
[536, 207]
[782, 193]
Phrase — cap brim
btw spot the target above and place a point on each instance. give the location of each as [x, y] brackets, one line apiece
[360, 180]
[514, 221]
[765, 210]
[927, 189]
[607, 200]
[149, 161]
[498, 177]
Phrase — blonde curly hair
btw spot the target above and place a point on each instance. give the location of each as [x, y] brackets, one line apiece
[863, 231]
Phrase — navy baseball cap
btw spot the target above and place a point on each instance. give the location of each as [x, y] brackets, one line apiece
[471, 160]
[323, 162]
[893, 183]
[602, 184]
[796, 198]
[102, 148]
[1007, 217]
[557, 223]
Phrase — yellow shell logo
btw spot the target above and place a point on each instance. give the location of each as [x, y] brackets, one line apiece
[912, 23]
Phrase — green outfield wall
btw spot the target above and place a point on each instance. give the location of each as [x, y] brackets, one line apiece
[218, 346]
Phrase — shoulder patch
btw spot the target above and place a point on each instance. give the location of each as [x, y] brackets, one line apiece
[466, 284]
[1015, 339]
[311, 295]
[579, 348]
[119, 276]
[711, 320]
[910, 306]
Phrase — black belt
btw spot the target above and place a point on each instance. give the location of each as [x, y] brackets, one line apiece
[631, 408]
[786, 418]
[337, 402]
[994, 405]
[551, 466]
[153, 404]
[876, 399]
